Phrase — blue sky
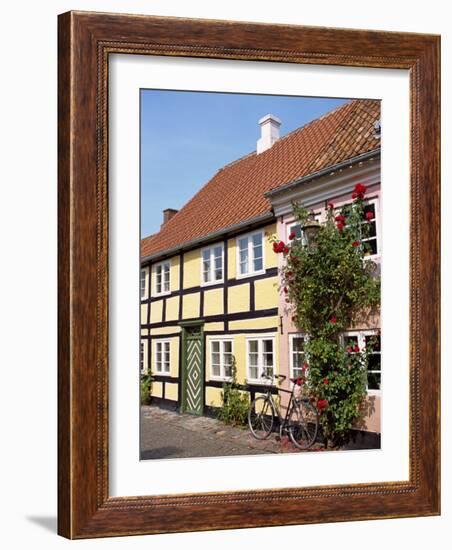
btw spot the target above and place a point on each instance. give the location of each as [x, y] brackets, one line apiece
[187, 136]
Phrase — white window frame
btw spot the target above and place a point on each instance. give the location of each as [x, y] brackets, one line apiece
[143, 360]
[292, 336]
[361, 343]
[375, 201]
[155, 267]
[260, 338]
[221, 341]
[143, 288]
[161, 341]
[213, 281]
[251, 272]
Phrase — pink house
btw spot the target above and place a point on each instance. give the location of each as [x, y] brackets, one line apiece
[334, 184]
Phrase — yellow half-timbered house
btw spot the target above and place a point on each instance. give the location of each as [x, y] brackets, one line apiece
[209, 277]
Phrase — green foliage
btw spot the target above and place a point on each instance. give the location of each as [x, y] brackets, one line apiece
[145, 389]
[327, 288]
[235, 403]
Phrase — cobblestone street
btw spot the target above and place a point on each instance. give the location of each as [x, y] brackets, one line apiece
[168, 434]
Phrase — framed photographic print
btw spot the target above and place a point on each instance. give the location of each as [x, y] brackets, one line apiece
[248, 275]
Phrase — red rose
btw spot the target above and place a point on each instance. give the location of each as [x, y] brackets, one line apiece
[355, 243]
[286, 290]
[333, 320]
[292, 235]
[322, 404]
[340, 226]
[360, 189]
[340, 218]
[354, 195]
[294, 319]
[369, 216]
[326, 381]
[279, 247]
[289, 273]
[286, 250]
[287, 300]
[349, 349]
[330, 205]
[356, 348]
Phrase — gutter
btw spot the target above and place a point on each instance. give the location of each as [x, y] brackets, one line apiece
[211, 236]
[324, 172]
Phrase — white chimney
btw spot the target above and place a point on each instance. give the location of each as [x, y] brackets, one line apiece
[269, 132]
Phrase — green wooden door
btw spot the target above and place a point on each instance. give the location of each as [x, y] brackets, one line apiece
[193, 371]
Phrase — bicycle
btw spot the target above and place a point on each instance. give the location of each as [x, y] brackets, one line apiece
[301, 421]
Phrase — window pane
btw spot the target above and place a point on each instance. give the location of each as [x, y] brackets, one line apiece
[166, 277]
[216, 369]
[257, 239]
[206, 265]
[372, 230]
[257, 251]
[298, 344]
[215, 358]
[215, 347]
[143, 284]
[268, 371]
[258, 265]
[268, 346]
[206, 273]
[253, 346]
[374, 362]
[296, 229]
[369, 208]
[374, 342]
[243, 255]
[253, 373]
[158, 278]
[206, 255]
[373, 246]
[351, 340]
[243, 244]
[253, 359]
[373, 380]
[227, 358]
[218, 252]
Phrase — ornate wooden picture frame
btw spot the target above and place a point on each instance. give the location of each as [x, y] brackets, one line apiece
[86, 40]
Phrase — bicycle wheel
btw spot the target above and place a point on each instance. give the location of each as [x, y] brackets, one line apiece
[303, 424]
[261, 416]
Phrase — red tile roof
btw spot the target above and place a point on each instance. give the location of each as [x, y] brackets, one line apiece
[235, 194]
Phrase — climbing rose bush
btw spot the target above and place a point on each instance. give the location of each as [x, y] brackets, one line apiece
[326, 287]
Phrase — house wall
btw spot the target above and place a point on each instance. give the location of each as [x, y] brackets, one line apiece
[238, 308]
[371, 177]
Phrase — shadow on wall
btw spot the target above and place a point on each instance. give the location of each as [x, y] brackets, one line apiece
[368, 408]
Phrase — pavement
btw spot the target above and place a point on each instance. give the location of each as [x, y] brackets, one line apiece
[168, 434]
